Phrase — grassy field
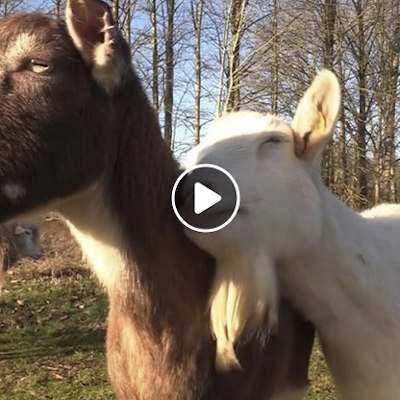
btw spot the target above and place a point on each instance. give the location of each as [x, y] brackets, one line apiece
[52, 330]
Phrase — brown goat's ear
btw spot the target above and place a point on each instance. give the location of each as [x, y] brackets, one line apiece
[91, 26]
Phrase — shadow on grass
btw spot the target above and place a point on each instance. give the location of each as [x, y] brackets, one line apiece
[37, 345]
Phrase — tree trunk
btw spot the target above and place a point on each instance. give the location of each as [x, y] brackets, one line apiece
[127, 21]
[116, 9]
[329, 22]
[197, 16]
[169, 72]
[275, 52]
[155, 55]
[362, 113]
[342, 136]
[390, 78]
[236, 20]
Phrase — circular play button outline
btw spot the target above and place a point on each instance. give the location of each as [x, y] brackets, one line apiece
[234, 212]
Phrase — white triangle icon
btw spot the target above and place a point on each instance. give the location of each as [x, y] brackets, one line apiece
[204, 198]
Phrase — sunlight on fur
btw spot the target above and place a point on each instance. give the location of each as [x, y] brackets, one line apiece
[239, 300]
[245, 293]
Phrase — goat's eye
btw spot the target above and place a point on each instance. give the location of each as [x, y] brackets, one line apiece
[271, 142]
[39, 66]
[273, 139]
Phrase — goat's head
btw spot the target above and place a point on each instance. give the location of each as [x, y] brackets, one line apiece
[57, 89]
[277, 168]
[26, 239]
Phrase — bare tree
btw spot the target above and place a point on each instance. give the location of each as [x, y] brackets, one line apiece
[276, 58]
[155, 54]
[237, 25]
[128, 8]
[57, 8]
[200, 58]
[386, 96]
[197, 11]
[116, 9]
[8, 7]
[223, 52]
[328, 27]
[359, 47]
[169, 72]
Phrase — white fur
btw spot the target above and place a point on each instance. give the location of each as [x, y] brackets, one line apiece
[23, 45]
[97, 233]
[339, 267]
[107, 69]
[382, 210]
[244, 295]
[234, 125]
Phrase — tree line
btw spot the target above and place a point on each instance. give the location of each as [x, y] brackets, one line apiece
[201, 58]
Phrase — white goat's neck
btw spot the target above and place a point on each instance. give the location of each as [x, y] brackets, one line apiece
[98, 234]
[349, 288]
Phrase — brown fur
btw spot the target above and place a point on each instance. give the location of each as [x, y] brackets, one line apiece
[159, 345]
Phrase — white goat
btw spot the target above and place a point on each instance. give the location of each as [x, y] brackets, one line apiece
[340, 268]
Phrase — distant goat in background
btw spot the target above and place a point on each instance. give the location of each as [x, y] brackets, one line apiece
[17, 240]
[339, 267]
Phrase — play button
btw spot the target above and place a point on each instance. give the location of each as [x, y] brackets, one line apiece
[205, 198]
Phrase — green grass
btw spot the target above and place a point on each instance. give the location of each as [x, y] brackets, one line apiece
[321, 382]
[52, 334]
[52, 340]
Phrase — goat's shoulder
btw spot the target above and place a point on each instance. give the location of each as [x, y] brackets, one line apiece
[383, 223]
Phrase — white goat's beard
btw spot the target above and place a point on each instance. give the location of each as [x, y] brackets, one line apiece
[244, 297]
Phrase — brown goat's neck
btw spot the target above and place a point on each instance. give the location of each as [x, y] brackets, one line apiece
[157, 280]
[125, 223]
[138, 193]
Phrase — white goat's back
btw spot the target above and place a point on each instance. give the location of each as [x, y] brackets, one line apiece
[391, 211]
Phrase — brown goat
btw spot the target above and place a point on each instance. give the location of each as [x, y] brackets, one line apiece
[79, 136]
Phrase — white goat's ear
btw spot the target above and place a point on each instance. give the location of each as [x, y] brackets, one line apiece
[316, 115]
[91, 26]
